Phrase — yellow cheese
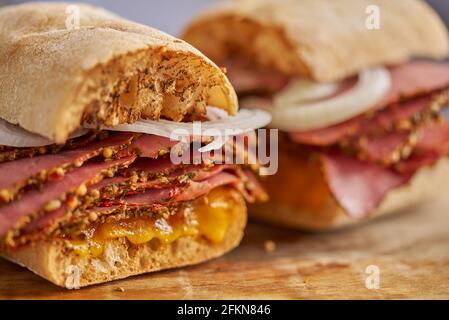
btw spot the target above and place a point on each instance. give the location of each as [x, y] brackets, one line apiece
[209, 217]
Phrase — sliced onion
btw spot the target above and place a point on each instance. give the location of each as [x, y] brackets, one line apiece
[214, 113]
[220, 126]
[301, 90]
[14, 136]
[371, 87]
[246, 120]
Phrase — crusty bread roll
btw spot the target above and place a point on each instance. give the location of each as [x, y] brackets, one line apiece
[313, 37]
[51, 260]
[109, 71]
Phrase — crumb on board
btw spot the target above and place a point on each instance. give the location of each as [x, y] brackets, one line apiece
[120, 289]
[270, 246]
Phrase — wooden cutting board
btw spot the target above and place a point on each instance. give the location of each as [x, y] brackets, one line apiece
[410, 250]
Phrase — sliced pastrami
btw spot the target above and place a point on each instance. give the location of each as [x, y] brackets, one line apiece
[33, 201]
[358, 186]
[15, 174]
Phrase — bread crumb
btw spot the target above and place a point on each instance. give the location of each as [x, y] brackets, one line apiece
[306, 280]
[120, 289]
[270, 246]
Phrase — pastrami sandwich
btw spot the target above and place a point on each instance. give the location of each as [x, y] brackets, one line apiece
[89, 191]
[357, 91]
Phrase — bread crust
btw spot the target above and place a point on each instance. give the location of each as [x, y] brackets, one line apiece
[427, 183]
[107, 71]
[51, 260]
[321, 39]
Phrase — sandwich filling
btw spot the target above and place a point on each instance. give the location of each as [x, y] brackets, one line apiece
[107, 185]
[365, 156]
[208, 216]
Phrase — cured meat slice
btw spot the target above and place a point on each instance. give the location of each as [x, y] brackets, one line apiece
[358, 186]
[155, 191]
[416, 78]
[394, 117]
[118, 186]
[15, 174]
[434, 138]
[150, 146]
[386, 149]
[33, 201]
[176, 193]
[410, 95]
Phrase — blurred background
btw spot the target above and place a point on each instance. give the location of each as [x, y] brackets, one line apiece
[172, 15]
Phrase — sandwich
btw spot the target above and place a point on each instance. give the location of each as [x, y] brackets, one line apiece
[357, 90]
[89, 191]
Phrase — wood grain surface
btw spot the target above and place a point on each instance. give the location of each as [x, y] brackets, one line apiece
[411, 250]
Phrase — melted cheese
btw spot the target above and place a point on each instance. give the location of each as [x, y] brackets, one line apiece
[208, 217]
[299, 182]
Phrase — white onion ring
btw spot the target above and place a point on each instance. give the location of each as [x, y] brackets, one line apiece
[246, 120]
[14, 136]
[221, 122]
[371, 87]
[301, 90]
[214, 113]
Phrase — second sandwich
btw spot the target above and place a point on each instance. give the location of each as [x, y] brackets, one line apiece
[363, 133]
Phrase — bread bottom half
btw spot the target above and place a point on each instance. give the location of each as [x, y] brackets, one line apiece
[51, 260]
[300, 198]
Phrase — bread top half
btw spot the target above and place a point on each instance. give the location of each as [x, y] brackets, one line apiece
[321, 39]
[65, 64]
